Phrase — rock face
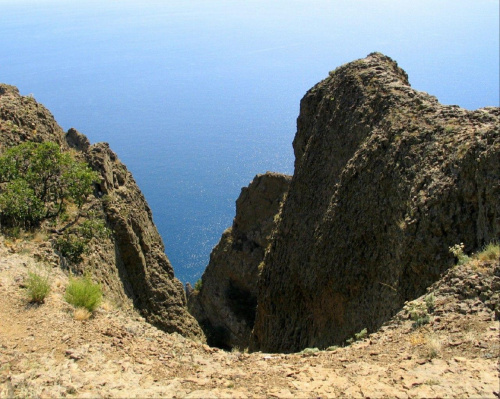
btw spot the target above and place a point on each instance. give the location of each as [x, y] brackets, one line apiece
[386, 180]
[225, 304]
[131, 264]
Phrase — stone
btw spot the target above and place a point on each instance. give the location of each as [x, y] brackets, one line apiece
[226, 303]
[386, 180]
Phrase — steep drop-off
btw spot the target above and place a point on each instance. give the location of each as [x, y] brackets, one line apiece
[386, 180]
[131, 263]
[225, 304]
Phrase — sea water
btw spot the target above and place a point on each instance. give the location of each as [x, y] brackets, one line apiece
[199, 96]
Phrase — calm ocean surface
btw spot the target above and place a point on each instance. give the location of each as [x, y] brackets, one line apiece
[199, 96]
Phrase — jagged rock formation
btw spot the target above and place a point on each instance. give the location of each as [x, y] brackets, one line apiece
[386, 180]
[131, 264]
[225, 304]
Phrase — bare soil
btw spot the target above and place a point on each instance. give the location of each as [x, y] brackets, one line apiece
[46, 352]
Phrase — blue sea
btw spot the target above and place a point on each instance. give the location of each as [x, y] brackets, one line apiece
[199, 96]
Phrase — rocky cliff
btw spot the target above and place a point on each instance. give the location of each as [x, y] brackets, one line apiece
[386, 180]
[130, 263]
[226, 301]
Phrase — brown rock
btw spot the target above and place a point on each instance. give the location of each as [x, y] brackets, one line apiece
[386, 180]
[225, 304]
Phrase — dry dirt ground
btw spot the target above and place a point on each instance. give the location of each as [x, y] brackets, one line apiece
[46, 352]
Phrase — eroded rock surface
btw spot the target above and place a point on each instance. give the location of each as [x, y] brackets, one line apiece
[386, 180]
[225, 304]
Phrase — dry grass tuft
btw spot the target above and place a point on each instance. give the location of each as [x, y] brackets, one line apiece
[107, 306]
[39, 237]
[81, 314]
[433, 346]
[490, 252]
[417, 339]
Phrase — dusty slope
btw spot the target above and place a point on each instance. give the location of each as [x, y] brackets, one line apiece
[45, 352]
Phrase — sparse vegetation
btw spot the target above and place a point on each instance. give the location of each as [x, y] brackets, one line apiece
[82, 292]
[433, 346]
[430, 303]
[74, 243]
[458, 251]
[198, 285]
[490, 252]
[420, 311]
[358, 336]
[37, 286]
[93, 227]
[309, 351]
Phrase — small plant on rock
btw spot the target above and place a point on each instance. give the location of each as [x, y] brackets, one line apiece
[419, 314]
[458, 251]
[83, 293]
[430, 303]
[198, 285]
[358, 336]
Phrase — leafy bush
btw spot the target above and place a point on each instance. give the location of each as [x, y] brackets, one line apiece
[83, 293]
[198, 285]
[35, 181]
[20, 205]
[71, 247]
[93, 227]
[37, 286]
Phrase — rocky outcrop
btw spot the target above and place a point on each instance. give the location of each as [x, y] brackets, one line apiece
[131, 263]
[225, 304]
[386, 180]
[23, 119]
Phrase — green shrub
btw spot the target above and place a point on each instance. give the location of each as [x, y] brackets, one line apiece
[93, 227]
[37, 287]
[83, 293]
[19, 204]
[198, 285]
[71, 247]
[309, 351]
[36, 179]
